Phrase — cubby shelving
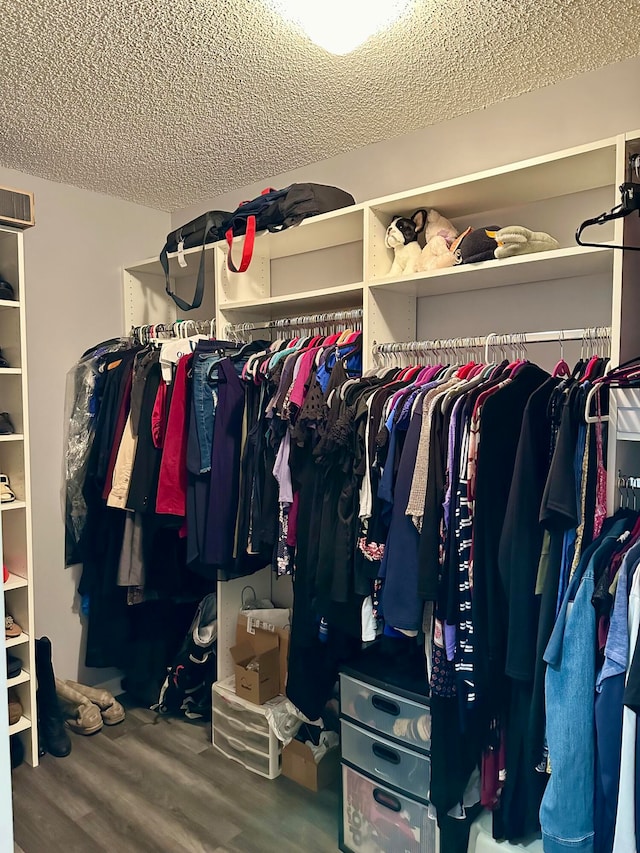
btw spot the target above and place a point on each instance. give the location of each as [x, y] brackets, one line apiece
[15, 517]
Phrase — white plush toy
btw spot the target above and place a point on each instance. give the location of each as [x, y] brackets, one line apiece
[439, 234]
[518, 240]
[402, 237]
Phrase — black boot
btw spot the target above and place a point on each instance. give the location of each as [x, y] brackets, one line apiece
[53, 733]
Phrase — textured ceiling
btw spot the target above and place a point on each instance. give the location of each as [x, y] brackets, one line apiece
[167, 102]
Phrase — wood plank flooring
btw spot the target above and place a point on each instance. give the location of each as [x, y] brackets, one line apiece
[154, 784]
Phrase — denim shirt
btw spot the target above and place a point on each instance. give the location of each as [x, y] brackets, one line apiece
[567, 809]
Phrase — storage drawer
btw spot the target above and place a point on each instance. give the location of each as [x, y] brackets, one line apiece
[410, 771]
[385, 712]
[252, 736]
[236, 709]
[264, 764]
[378, 820]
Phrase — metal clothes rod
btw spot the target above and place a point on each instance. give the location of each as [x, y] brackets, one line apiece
[180, 329]
[588, 335]
[304, 320]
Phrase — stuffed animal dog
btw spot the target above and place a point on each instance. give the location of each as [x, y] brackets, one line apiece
[402, 237]
[439, 235]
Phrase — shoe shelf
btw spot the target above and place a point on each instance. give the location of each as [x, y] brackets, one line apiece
[12, 505]
[22, 725]
[22, 678]
[15, 527]
[10, 642]
[15, 582]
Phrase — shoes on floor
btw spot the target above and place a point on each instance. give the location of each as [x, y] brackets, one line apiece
[7, 494]
[6, 290]
[6, 426]
[111, 710]
[54, 737]
[11, 628]
[14, 666]
[15, 706]
[81, 715]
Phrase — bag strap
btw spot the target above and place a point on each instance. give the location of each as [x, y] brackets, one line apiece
[199, 291]
[249, 240]
[247, 249]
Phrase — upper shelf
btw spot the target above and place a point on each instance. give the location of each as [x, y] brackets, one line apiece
[318, 232]
[550, 176]
[523, 269]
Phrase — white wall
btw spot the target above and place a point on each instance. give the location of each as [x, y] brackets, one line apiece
[583, 109]
[73, 268]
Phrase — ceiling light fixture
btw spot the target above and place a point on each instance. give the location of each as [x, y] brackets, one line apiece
[340, 26]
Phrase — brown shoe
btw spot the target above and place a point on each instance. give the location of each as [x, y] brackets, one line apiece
[15, 706]
[81, 715]
[111, 710]
[11, 628]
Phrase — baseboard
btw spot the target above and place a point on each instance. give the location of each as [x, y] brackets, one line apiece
[113, 685]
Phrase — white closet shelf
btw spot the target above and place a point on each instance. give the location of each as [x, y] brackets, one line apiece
[16, 641]
[318, 232]
[573, 262]
[16, 436]
[10, 371]
[9, 303]
[13, 505]
[575, 170]
[331, 298]
[19, 679]
[22, 725]
[15, 582]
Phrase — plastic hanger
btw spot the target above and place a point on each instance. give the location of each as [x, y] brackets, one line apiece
[630, 203]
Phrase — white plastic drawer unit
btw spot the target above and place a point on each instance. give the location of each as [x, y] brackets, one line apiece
[242, 732]
[253, 736]
[405, 769]
[384, 712]
[236, 749]
[226, 701]
[378, 820]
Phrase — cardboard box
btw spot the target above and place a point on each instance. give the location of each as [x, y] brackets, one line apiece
[246, 619]
[299, 765]
[258, 685]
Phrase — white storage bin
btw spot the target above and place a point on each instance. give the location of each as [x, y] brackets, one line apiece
[241, 730]
[385, 760]
[385, 712]
[378, 820]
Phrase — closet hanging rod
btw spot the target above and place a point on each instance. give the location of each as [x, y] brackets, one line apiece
[179, 329]
[304, 320]
[558, 336]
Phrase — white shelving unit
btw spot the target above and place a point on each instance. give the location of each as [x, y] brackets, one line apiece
[339, 260]
[15, 517]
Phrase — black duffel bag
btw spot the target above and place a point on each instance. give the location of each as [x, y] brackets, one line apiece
[208, 228]
[276, 210]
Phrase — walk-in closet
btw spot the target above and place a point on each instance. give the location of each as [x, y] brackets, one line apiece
[320, 427]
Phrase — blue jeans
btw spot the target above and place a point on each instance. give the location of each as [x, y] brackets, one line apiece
[567, 809]
[205, 400]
